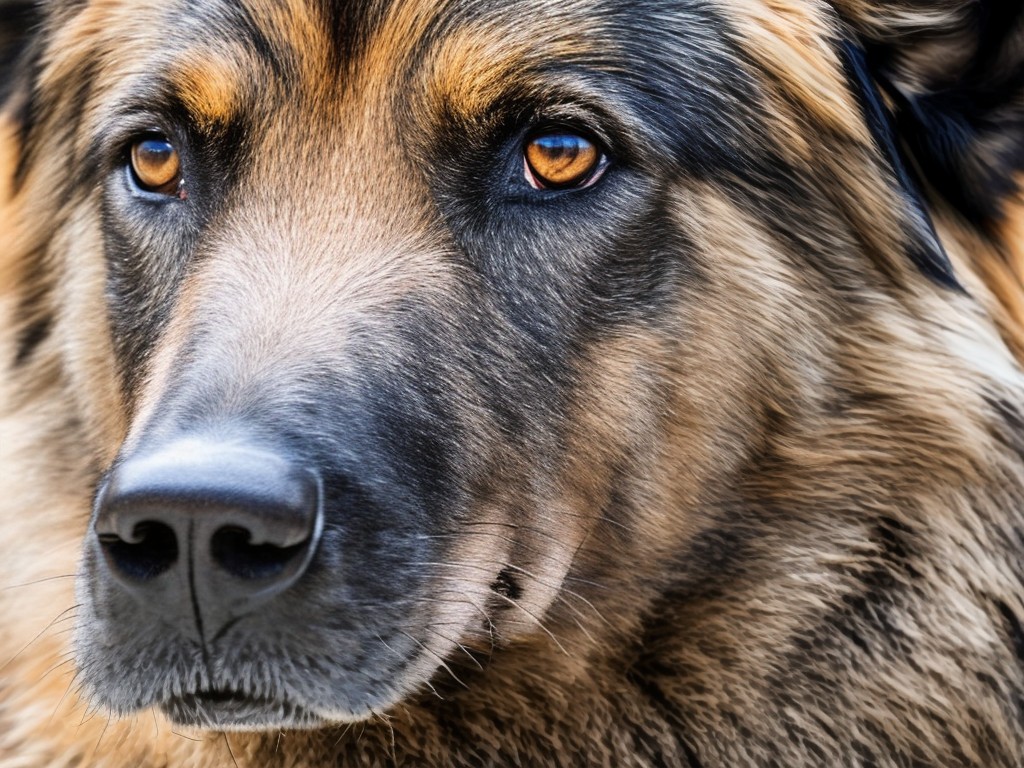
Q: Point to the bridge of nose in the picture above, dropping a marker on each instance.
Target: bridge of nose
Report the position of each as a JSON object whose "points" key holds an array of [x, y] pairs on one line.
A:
{"points": [[214, 485]]}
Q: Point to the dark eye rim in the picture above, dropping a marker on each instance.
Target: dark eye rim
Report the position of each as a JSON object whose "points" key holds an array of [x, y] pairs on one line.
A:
{"points": [[586, 181], [174, 190]]}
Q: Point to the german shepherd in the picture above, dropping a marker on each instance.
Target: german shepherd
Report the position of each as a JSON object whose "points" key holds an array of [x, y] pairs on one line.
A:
{"points": [[512, 383]]}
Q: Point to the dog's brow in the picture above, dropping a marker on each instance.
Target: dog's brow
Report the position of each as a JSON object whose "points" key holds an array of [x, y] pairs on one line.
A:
{"points": [[209, 86], [203, 89]]}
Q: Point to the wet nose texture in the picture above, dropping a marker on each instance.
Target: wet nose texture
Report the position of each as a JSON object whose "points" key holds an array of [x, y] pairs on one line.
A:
{"points": [[203, 534]]}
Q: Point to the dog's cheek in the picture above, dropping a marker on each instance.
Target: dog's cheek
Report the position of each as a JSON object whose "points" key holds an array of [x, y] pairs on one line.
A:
{"points": [[83, 325]]}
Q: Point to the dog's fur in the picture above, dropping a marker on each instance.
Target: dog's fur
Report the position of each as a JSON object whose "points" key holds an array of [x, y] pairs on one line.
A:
{"points": [[715, 463]]}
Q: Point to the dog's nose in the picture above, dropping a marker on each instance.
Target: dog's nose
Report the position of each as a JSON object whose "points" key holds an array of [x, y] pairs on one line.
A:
{"points": [[209, 529]]}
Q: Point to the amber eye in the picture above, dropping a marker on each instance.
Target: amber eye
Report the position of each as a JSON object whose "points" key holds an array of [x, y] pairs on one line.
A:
{"points": [[558, 159], [156, 165]]}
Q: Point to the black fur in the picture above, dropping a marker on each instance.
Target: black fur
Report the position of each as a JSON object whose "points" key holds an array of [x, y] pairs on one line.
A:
{"points": [[925, 250], [964, 128], [17, 18]]}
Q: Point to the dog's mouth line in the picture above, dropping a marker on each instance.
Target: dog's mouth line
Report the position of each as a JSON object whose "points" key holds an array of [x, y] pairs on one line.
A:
{"points": [[224, 696], [225, 706], [223, 699]]}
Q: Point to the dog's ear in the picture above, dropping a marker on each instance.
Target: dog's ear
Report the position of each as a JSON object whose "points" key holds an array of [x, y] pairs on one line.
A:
{"points": [[925, 247], [952, 76]]}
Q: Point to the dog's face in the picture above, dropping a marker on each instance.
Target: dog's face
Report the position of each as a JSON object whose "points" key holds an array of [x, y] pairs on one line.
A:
{"points": [[409, 322]]}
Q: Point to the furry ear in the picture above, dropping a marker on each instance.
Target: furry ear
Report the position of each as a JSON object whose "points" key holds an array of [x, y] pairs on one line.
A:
{"points": [[926, 249], [952, 73]]}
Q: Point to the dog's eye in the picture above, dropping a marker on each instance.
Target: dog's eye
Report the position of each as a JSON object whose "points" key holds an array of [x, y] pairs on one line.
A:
{"points": [[558, 158], [156, 165]]}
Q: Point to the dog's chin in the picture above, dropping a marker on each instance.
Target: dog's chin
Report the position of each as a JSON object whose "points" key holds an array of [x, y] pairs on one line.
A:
{"points": [[232, 711]]}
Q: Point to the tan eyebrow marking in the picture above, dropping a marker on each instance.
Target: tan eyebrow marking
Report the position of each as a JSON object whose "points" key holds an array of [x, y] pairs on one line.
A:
{"points": [[210, 84]]}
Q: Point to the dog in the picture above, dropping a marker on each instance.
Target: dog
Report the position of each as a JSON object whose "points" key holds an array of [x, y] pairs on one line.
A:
{"points": [[391, 382]]}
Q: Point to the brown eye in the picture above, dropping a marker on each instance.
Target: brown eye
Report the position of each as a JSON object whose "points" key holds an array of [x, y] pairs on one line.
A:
{"points": [[156, 166], [559, 158]]}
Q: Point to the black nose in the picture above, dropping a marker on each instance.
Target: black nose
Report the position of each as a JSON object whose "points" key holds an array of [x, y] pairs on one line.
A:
{"points": [[208, 531]]}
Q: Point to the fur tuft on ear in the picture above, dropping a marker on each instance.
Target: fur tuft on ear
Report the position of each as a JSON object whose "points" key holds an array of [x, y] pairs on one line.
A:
{"points": [[926, 249], [953, 74]]}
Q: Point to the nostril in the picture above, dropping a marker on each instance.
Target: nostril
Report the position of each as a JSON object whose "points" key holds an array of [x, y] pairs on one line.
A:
{"points": [[207, 529], [151, 550], [232, 549]]}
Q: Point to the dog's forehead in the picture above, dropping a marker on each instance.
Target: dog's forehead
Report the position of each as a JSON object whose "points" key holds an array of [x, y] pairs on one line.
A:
{"points": [[696, 84], [316, 41], [703, 62], [216, 53]]}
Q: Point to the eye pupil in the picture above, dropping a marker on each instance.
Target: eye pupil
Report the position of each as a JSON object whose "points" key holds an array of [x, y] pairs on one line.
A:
{"points": [[559, 159], [156, 165]]}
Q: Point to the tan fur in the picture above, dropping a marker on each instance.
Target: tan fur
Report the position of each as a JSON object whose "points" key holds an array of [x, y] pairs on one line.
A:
{"points": [[1006, 270], [212, 83], [765, 393], [789, 38]]}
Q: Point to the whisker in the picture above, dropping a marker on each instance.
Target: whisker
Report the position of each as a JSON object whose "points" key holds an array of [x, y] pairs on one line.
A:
{"points": [[347, 727], [439, 658], [543, 553], [499, 537], [63, 697], [41, 633], [230, 752], [561, 591], [387, 721], [463, 599], [89, 714], [103, 733], [540, 624], [427, 682], [38, 581], [581, 516], [458, 644], [70, 658]]}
